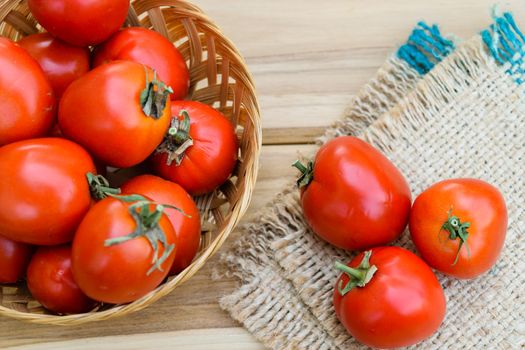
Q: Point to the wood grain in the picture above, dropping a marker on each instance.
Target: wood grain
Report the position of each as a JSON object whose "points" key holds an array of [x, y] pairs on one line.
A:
{"points": [[308, 57]]}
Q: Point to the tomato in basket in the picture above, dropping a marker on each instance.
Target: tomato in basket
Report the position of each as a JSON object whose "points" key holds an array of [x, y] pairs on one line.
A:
{"points": [[44, 193], [50, 281], [61, 62], [14, 258], [150, 48], [27, 103], [123, 249], [80, 22], [119, 112], [200, 149], [187, 226]]}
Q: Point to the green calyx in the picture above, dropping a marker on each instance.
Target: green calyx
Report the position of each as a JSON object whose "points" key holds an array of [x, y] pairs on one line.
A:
{"points": [[147, 221], [154, 96], [99, 186], [177, 140], [457, 230], [147, 225], [359, 276], [307, 173]]}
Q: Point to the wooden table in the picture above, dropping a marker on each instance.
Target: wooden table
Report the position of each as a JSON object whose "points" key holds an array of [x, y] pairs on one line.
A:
{"points": [[308, 57]]}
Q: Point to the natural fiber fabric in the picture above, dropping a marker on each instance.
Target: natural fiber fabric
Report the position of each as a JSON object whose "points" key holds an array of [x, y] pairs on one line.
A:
{"points": [[466, 118], [266, 303]]}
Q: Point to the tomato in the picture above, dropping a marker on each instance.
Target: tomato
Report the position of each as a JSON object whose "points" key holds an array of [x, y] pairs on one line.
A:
{"points": [[352, 196], [151, 49], [50, 281], [117, 111], [14, 257], [43, 190], [203, 146], [80, 22], [187, 227], [27, 104], [111, 266], [388, 298], [61, 62], [459, 226]]}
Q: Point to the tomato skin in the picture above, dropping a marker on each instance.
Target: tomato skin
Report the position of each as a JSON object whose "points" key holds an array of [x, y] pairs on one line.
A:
{"points": [[61, 62], [80, 22], [402, 304], [27, 104], [210, 161], [102, 112], [151, 49], [187, 229], [43, 190], [473, 201], [50, 281], [116, 274], [357, 199], [14, 258]]}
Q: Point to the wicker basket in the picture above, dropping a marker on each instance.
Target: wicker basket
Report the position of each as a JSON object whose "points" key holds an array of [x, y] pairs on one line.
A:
{"points": [[219, 77]]}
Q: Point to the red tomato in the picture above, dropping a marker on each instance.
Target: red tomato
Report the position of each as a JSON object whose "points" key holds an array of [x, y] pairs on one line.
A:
{"points": [[43, 190], [27, 104], [14, 257], [392, 298], [121, 272], [61, 62], [187, 227], [151, 49], [50, 281], [80, 22], [117, 111], [353, 196], [459, 226], [211, 152]]}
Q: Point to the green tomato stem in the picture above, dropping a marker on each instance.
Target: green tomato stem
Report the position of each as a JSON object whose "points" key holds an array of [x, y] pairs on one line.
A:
{"points": [[154, 97], [359, 276], [457, 230], [307, 173]]}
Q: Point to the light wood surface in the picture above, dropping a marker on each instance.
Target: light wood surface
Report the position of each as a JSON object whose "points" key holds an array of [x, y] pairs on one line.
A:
{"points": [[308, 57]]}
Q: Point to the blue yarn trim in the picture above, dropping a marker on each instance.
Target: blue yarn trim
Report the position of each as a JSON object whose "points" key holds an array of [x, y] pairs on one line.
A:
{"points": [[425, 48], [506, 44]]}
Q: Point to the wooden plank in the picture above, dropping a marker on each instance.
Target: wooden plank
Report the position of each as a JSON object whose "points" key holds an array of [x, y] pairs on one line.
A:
{"points": [[308, 57], [202, 339]]}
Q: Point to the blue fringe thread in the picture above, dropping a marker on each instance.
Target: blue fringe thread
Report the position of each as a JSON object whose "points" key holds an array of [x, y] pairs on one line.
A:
{"points": [[425, 48], [506, 44]]}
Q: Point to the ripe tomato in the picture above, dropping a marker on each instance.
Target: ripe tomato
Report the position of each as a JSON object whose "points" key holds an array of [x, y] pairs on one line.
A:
{"points": [[187, 227], [353, 196], [50, 281], [61, 62], [117, 111], [113, 259], [14, 257], [27, 104], [388, 298], [459, 226], [80, 22], [43, 190], [151, 49], [200, 150]]}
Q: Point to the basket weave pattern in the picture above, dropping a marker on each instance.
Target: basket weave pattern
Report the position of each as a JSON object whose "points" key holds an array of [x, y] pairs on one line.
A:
{"points": [[219, 78]]}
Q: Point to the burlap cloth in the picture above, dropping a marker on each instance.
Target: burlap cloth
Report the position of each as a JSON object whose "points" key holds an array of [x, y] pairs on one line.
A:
{"points": [[464, 117]]}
